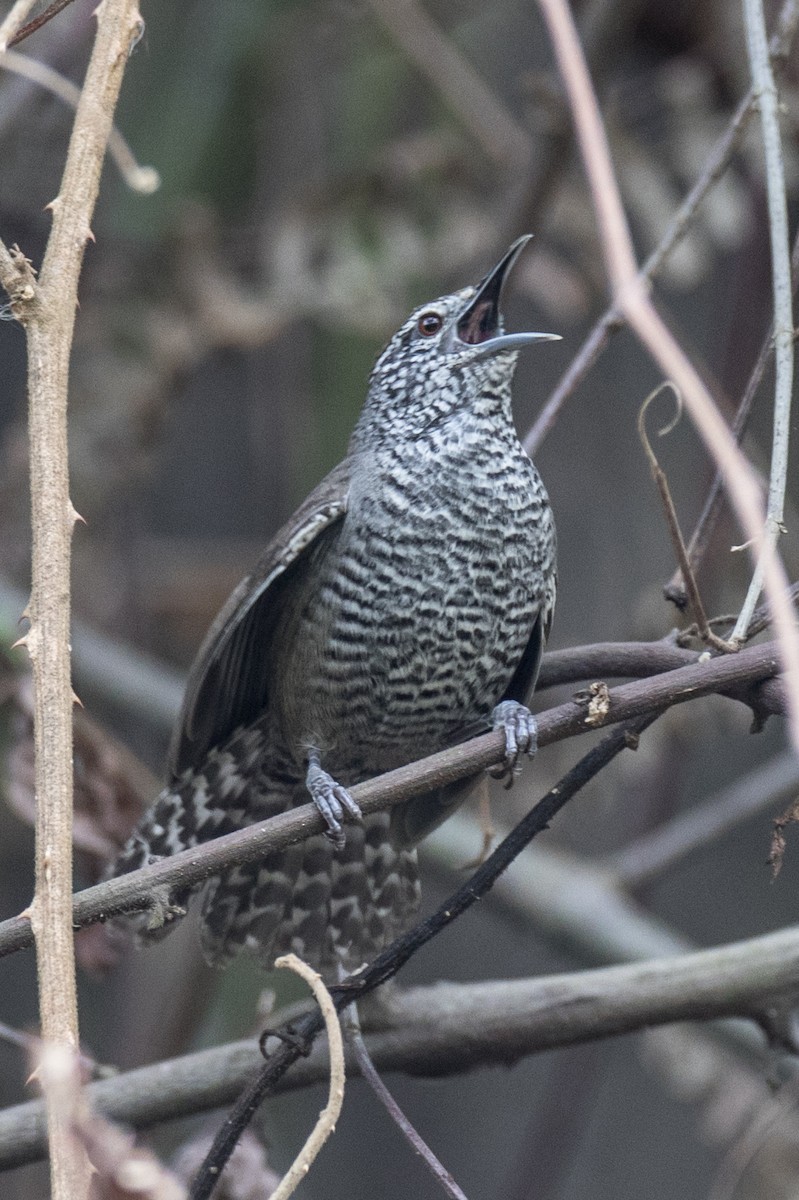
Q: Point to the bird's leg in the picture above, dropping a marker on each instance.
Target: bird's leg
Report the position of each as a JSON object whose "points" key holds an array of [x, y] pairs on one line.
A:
{"points": [[521, 736], [331, 799]]}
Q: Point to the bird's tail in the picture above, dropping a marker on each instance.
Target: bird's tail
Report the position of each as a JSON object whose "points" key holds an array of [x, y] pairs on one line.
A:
{"points": [[328, 906]]}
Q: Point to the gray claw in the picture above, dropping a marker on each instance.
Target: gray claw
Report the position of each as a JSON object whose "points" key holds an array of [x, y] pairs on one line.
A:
{"points": [[521, 733], [332, 800]]}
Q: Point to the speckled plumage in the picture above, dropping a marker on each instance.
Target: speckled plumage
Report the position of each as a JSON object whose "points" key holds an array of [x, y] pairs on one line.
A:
{"points": [[408, 596]]}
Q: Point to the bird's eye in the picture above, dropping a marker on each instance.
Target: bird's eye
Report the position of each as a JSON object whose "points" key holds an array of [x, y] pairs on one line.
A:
{"points": [[429, 323]]}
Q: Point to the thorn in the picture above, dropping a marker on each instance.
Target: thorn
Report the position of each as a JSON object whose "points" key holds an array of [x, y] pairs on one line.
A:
{"points": [[25, 615], [77, 700], [20, 642], [138, 32], [75, 516], [53, 205], [90, 237]]}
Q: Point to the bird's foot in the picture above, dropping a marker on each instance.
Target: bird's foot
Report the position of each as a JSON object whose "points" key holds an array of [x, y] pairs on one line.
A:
{"points": [[332, 800], [521, 736]]}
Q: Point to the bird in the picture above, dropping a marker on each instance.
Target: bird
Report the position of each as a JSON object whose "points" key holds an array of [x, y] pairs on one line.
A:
{"points": [[403, 607]]}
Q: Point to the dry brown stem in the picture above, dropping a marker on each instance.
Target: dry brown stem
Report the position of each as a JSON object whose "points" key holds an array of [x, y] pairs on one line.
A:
{"points": [[47, 310]]}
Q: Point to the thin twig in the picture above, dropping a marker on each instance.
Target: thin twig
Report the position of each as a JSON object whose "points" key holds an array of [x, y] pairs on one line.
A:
{"points": [[715, 165], [700, 538], [138, 178], [14, 19], [761, 617], [386, 964], [672, 520], [335, 1096], [411, 1135], [633, 300], [765, 90]]}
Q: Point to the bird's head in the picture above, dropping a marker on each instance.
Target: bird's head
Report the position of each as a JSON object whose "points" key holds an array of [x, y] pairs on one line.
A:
{"points": [[450, 355]]}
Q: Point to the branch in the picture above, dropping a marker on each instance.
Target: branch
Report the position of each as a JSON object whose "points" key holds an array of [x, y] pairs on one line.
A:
{"points": [[368, 1071], [47, 310], [765, 90], [449, 1028], [734, 675], [633, 300], [51, 11], [14, 19]]}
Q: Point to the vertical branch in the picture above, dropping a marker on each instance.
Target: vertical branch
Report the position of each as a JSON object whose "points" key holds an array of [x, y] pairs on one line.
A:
{"points": [[47, 310], [765, 90]]}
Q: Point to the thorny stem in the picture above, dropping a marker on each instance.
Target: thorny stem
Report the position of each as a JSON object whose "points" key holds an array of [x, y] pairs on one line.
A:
{"points": [[47, 310], [765, 91]]}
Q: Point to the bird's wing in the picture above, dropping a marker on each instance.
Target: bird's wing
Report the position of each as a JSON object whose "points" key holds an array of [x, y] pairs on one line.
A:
{"points": [[229, 682]]}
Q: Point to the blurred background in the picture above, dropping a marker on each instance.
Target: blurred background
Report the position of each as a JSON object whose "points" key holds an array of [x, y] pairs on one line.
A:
{"points": [[325, 166]]}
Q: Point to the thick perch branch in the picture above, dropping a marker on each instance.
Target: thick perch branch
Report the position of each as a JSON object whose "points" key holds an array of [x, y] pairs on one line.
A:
{"points": [[748, 674]]}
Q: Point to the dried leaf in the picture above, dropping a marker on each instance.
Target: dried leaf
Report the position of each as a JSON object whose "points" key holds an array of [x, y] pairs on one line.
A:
{"points": [[598, 705], [778, 841]]}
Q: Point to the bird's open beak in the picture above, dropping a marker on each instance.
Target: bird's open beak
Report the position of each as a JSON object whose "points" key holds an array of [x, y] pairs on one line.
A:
{"points": [[478, 324]]}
